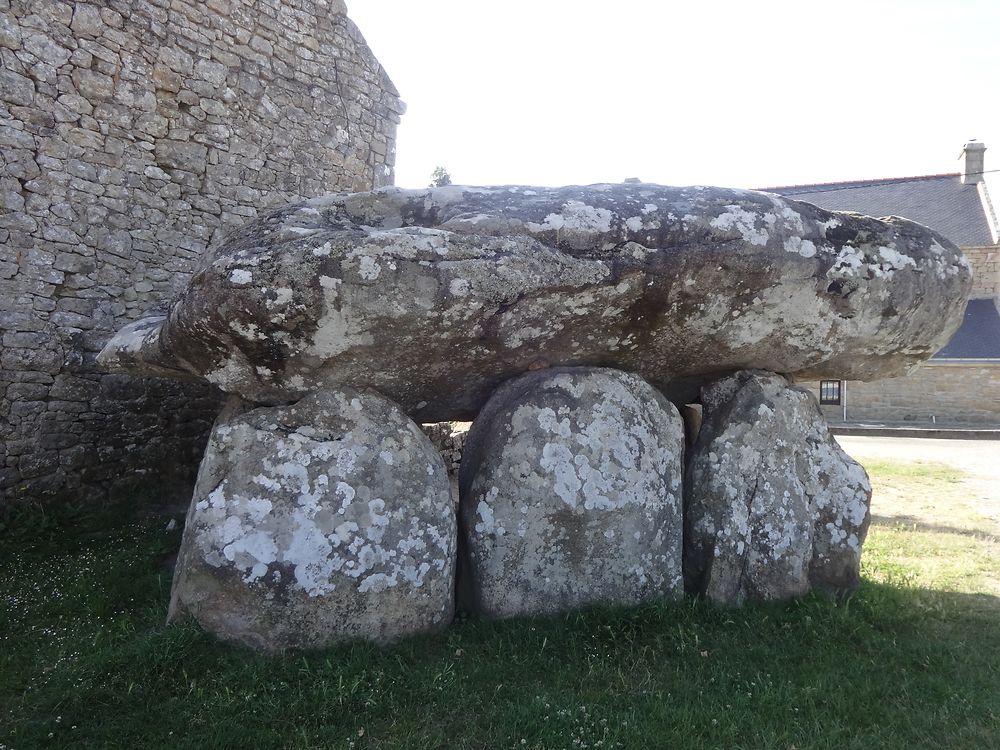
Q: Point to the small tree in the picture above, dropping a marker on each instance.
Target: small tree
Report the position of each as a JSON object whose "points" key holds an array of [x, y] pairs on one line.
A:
{"points": [[440, 177]]}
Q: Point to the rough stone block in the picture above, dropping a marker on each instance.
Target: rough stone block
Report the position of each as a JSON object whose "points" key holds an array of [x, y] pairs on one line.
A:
{"points": [[45, 49], [16, 89], [92, 85], [317, 522], [87, 20], [181, 155], [773, 506], [571, 495], [10, 32]]}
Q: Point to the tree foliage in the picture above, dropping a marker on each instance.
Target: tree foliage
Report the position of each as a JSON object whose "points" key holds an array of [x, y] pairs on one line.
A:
{"points": [[440, 177]]}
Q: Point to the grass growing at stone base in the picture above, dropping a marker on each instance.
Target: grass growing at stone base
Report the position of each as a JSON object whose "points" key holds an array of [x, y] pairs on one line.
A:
{"points": [[913, 660]]}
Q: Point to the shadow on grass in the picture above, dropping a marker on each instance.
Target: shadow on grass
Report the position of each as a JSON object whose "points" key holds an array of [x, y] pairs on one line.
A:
{"points": [[920, 524], [88, 662]]}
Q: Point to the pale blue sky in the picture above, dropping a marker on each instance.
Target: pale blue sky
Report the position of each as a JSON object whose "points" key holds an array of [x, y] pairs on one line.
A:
{"points": [[742, 94]]}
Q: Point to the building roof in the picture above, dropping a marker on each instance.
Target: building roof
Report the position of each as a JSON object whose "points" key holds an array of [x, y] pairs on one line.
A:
{"points": [[941, 202], [979, 335]]}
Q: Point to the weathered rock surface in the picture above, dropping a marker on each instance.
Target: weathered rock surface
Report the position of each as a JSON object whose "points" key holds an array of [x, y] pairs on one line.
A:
{"points": [[571, 495], [773, 505], [435, 297], [448, 439], [317, 522]]}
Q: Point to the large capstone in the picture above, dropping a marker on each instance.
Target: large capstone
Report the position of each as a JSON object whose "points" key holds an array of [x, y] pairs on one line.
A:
{"points": [[571, 495], [326, 520], [774, 508], [435, 297]]}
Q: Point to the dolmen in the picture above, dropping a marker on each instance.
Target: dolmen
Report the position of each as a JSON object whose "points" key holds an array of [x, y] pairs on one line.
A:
{"points": [[569, 324]]}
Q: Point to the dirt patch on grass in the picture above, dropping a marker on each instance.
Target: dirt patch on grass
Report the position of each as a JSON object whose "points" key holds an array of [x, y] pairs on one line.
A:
{"points": [[927, 494], [945, 482], [929, 529]]}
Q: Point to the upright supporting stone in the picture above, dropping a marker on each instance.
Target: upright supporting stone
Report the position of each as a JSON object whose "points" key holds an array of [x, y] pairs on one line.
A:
{"points": [[325, 520], [773, 506], [571, 494]]}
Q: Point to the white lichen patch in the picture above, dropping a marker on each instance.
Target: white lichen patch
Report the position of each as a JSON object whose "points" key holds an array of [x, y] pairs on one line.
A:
{"points": [[368, 267], [233, 373], [241, 276], [342, 509], [330, 283], [826, 226], [575, 215], [282, 296], [799, 246], [895, 260], [248, 331], [864, 262], [596, 446], [753, 227], [291, 232]]}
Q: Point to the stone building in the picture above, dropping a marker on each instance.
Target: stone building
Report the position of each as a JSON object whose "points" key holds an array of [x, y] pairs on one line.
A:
{"points": [[961, 383], [133, 134]]}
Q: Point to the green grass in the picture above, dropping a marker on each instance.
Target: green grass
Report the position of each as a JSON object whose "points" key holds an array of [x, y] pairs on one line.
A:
{"points": [[911, 661], [925, 472]]}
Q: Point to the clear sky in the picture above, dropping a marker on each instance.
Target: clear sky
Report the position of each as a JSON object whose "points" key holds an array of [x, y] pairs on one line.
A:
{"points": [[741, 94]]}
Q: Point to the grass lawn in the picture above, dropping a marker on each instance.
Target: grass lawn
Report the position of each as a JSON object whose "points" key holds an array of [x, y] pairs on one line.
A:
{"points": [[912, 661]]}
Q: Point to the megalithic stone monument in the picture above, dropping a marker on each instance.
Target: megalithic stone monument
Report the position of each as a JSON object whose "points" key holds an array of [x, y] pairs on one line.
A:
{"points": [[417, 305]]}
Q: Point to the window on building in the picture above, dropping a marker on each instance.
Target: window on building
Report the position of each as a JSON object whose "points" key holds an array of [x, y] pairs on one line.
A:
{"points": [[829, 391]]}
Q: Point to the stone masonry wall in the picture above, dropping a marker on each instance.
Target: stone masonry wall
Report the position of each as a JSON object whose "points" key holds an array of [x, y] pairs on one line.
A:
{"points": [[133, 134], [985, 270], [949, 393]]}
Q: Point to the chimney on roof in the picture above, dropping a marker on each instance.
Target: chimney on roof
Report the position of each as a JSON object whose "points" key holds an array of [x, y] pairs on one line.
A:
{"points": [[973, 158]]}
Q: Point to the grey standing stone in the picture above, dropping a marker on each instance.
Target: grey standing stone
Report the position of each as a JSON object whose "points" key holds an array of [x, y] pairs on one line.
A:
{"points": [[773, 506], [326, 520], [571, 494]]}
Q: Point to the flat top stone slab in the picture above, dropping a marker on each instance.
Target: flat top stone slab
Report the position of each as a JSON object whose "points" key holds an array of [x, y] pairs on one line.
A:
{"points": [[434, 297]]}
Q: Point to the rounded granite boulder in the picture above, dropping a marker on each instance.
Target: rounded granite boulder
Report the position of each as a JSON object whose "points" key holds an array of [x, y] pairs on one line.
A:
{"points": [[325, 520], [571, 495], [774, 507]]}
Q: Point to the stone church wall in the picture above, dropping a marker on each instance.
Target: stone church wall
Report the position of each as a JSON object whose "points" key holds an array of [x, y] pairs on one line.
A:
{"points": [[134, 134]]}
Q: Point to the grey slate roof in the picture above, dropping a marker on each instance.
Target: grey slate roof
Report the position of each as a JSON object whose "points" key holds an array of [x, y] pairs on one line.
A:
{"points": [[940, 202], [979, 335]]}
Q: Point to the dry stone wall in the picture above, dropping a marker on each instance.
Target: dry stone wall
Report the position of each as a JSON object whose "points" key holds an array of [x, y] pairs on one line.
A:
{"points": [[134, 134], [985, 262]]}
